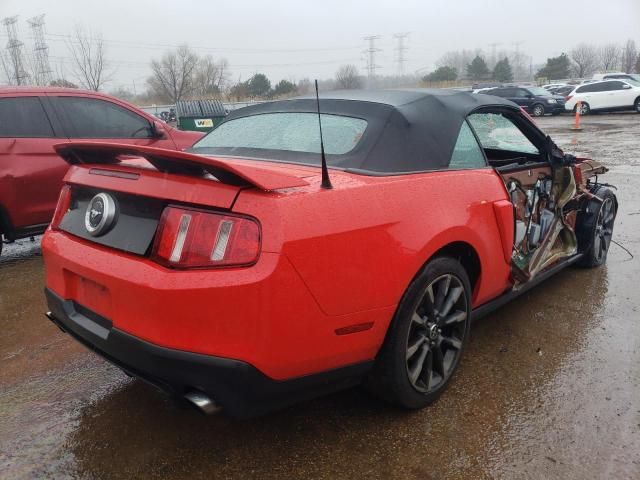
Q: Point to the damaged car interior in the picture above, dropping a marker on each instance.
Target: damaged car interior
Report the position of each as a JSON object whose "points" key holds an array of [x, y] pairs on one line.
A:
{"points": [[548, 191]]}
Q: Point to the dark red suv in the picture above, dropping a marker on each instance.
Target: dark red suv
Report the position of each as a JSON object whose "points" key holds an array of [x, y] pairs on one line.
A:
{"points": [[34, 119]]}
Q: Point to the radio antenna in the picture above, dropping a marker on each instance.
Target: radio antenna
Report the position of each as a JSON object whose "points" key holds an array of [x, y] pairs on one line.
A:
{"points": [[326, 182]]}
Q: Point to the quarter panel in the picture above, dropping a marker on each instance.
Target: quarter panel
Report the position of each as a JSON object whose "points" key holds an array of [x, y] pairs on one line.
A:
{"points": [[358, 246]]}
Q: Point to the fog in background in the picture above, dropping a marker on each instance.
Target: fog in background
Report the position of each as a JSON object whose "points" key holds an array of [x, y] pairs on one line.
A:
{"points": [[297, 39]]}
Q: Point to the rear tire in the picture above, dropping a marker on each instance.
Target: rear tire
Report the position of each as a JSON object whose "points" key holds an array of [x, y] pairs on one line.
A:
{"points": [[538, 110], [595, 228], [426, 337], [585, 109], [637, 105]]}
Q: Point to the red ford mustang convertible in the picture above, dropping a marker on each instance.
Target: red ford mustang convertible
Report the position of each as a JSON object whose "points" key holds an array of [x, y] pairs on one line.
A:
{"points": [[244, 275]]}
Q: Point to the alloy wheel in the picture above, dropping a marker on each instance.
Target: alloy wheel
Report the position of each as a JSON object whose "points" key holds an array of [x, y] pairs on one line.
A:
{"points": [[604, 229], [538, 111], [436, 332]]}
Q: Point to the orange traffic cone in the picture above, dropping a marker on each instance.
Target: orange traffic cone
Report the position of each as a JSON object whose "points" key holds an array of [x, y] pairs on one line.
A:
{"points": [[576, 125]]}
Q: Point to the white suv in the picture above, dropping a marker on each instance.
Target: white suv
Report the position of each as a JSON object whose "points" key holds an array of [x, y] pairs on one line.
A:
{"points": [[606, 95]]}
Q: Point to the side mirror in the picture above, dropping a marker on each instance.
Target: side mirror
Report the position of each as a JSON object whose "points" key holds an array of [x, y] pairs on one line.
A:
{"points": [[530, 95], [626, 86], [158, 129]]}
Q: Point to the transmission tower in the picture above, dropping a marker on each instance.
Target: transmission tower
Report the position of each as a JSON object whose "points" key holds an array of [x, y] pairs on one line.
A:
{"points": [[493, 46], [371, 55], [42, 69], [17, 74], [401, 48]]}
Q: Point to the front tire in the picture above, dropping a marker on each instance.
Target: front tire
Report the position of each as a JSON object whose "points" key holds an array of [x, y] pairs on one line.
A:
{"points": [[595, 228], [426, 338], [637, 105], [538, 110]]}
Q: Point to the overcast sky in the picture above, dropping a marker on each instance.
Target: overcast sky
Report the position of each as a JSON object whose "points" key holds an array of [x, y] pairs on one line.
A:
{"points": [[296, 39]]}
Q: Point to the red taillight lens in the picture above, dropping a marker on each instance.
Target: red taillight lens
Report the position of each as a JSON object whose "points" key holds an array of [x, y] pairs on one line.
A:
{"points": [[64, 200], [567, 98], [189, 238]]}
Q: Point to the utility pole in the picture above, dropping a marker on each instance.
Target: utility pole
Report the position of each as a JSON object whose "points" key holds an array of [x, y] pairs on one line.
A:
{"points": [[17, 74], [371, 55], [40, 51], [400, 50]]}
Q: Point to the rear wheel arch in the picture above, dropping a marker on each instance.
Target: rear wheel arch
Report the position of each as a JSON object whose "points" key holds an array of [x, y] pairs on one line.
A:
{"points": [[466, 255]]}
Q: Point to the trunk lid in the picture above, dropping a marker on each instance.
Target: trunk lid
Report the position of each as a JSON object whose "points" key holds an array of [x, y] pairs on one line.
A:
{"points": [[142, 181]]}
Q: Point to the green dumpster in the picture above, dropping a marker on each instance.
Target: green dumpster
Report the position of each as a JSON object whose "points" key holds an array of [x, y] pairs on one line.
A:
{"points": [[199, 115]]}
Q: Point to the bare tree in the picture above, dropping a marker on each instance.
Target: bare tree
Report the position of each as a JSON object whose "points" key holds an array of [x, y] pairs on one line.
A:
{"points": [[609, 57], [210, 76], [585, 58], [88, 59], [173, 74], [347, 77], [629, 56]]}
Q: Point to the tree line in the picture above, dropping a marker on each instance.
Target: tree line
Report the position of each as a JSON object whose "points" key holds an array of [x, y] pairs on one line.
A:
{"points": [[181, 73], [581, 62]]}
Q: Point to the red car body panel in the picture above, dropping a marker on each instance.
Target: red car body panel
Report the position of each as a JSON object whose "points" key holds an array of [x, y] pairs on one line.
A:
{"points": [[165, 307], [30, 170]]}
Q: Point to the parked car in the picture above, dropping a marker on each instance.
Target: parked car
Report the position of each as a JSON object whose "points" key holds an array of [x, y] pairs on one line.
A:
{"points": [[617, 76], [552, 86], [245, 275], [563, 91], [535, 100], [33, 119], [608, 95]]}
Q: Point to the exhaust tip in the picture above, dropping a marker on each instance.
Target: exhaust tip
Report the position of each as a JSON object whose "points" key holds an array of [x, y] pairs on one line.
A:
{"points": [[202, 402]]}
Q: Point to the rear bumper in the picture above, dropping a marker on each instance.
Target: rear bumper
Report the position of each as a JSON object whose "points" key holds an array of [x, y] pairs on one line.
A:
{"points": [[263, 315], [240, 388]]}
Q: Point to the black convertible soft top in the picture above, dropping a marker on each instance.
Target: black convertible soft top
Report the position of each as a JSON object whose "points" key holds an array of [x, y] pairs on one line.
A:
{"points": [[409, 130]]}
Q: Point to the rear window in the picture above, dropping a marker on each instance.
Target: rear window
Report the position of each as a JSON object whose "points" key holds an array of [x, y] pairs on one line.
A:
{"points": [[290, 131]]}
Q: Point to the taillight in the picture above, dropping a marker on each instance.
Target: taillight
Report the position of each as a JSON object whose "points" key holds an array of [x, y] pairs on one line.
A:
{"points": [[189, 238], [64, 200], [568, 97]]}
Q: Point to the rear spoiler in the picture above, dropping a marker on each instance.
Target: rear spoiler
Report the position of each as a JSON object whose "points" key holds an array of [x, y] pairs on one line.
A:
{"points": [[173, 161]]}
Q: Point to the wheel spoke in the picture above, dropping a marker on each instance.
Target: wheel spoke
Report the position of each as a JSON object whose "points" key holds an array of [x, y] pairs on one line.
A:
{"points": [[428, 301], [428, 367], [452, 298], [413, 347], [455, 317], [596, 245], [438, 361], [416, 370], [452, 341], [417, 319], [443, 289]]}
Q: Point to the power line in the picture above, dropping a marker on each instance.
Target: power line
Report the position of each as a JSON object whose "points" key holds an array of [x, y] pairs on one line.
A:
{"points": [[401, 48], [371, 55]]}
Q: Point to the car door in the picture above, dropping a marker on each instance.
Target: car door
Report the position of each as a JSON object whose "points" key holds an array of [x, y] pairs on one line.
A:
{"points": [[100, 119], [621, 94], [599, 96], [524, 98], [30, 170]]}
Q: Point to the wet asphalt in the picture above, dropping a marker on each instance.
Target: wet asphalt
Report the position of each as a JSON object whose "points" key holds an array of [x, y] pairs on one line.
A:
{"points": [[549, 387]]}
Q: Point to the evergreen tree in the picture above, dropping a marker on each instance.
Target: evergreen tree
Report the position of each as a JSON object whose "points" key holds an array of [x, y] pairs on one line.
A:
{"points": [[556, 68], [477, 69], [502, 71], [442, 74]]}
